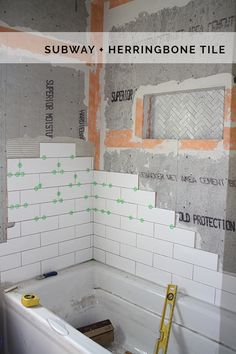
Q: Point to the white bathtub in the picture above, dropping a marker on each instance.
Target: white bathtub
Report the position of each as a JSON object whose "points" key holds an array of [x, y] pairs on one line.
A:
{"points": [[91, 292]]}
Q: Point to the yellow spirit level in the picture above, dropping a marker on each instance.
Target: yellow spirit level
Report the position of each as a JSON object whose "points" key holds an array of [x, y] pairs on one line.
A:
{"points": [[166, 320]]}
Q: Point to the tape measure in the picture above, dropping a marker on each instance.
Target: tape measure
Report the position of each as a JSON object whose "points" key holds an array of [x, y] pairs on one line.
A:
{"points": [[166, 320], [30, 300]]}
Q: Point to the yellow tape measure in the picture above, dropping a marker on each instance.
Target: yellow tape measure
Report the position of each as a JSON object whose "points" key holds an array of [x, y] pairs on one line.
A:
{"points": [[166, 319], [30, 300]]}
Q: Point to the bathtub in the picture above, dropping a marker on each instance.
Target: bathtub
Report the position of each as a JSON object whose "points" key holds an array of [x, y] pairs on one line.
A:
{"points": [[91, 292]]}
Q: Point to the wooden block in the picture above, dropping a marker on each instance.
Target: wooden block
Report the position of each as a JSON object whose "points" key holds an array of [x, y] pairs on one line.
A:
{"points": [[100, 332]]}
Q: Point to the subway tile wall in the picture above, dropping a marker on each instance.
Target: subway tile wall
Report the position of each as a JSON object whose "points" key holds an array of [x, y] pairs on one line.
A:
{"points": [[66, 213], [50, 199], [134, 236]]}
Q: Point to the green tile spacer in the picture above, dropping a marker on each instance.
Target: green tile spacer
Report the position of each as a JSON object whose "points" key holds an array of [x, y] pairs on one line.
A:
{"points": [[54, 172], [96, 196], [9, 174], [70, 185], [110, 185], [11, 206], [150, 206], [61, 200], [44, 157], [88, 169], [58, 194], [141, 220], [36, 218], [108, 212], [61, 172], [88, 209], [54, 201], [78, 184], [75, 176], [118, 200], [17, 206], [26, 205], [40, 185], [130, 217], [94, 183], [17, 174], [104, 184], [86, 197], [19, 165], [135, 189], [58, 164], [22, 174], [171, 226], [72, 157], [71, 212], [44, 217], [102, 211], [95, 209]]}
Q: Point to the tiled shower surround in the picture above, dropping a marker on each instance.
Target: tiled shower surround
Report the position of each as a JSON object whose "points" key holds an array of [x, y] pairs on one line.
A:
{"points": [[66, 213]]}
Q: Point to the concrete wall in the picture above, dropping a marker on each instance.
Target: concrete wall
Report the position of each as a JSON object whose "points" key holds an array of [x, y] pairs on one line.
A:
{"points": [[190, 177]]}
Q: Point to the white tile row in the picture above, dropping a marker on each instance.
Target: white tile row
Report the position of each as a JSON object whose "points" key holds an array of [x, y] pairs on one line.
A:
{"points": [[39, 165]]}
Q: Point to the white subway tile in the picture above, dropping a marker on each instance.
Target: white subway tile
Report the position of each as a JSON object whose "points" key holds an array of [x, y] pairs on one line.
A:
{"points": [[74, 245], [99, 203], [21, 273], [100, 177], [84, 230], [218, 280], [138, 197], [59, 235], [56, 180], [154, 245], [99, 229], [195, 256], [110, 220], [157, 215], [77, 218], [122, 179], [225, 300], [175, 235], [38, 254], [99, 255], [10, 261], [194, 289], [19, 244], [83, 255], [76, 164], [122, 236], [50, 209], [57, 263], [57, 149], [76, 191], [39, 195], [136, 254], [106, 244], [84, 176], [152, 274], [208, 277], [106, 192], [119, 262], [134, 225], [14, 231], [125, 209], [22, 182], [13, 165], [24, 212], [41, 225], [83, 204], [13, 198], [38, 165], [173, 266]]}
